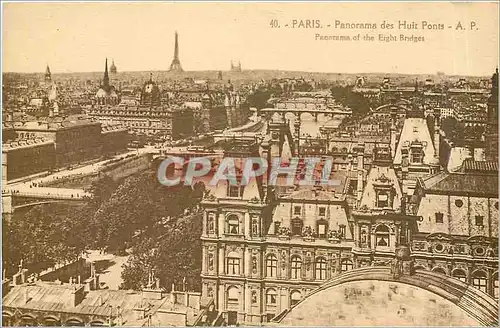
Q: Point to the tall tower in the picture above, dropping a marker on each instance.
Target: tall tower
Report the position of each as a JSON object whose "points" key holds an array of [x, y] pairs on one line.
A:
{"points": [[48, 75], [105, 81], [175, 66], [491, 135], [112, 68]]}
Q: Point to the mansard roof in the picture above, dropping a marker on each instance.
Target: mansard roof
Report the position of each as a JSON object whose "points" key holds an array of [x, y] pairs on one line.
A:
{"points": [[457, 183]]}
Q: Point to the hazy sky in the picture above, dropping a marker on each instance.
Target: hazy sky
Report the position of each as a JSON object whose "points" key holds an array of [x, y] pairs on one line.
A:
{"points": [[76, 37]]}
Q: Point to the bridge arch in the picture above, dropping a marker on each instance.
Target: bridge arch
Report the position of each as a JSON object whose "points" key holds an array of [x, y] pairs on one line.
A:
{"points": [[359, 296]]}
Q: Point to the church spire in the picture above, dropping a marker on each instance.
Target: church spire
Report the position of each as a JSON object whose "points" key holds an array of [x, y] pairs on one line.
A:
{"points": [[105, 81], [48, 75]]}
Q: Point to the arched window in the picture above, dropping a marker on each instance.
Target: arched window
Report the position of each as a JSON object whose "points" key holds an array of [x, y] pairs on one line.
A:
{"points": [[6, 320], [320, 268], [271, 265], [345, 265], [28, 320], [232, 295], [459, 274], [51, 322], [74, 323], [382, 235], [479, 280], [439, 270], [295, 297], [233, 263], [271, 296], [233, 224], [296, 267]]}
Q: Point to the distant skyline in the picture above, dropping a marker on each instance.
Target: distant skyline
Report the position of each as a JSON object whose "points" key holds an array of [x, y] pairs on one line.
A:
{"points": [[77, 37]]}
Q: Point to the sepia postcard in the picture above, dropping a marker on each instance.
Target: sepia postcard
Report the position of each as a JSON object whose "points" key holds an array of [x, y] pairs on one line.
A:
{"points": [[250, 163]]}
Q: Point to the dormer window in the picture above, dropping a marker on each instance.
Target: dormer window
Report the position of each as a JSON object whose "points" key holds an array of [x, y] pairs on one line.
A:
{"points": [[297, 210], [416, 155], [382, 199], [322, 228], [235, 191], [322, 211]]}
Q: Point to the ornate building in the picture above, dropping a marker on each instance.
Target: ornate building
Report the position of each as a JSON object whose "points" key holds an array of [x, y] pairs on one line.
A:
{"points": [[106, 95], [265, 249]]}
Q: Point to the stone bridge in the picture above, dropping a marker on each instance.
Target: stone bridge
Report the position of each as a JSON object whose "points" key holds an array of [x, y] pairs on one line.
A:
{"points": [[298, 112], [374, 296]]}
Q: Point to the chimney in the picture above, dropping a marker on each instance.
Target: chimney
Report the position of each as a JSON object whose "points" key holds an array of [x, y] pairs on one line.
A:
{"points": [[361, 153], [78, 294], [393, 132], [437, 136], [404, 164]]}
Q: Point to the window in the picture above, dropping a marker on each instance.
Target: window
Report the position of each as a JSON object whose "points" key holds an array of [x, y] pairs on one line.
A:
{"points": [[439, 217], [233, 265], [382, 199], [479, 220], [479, 280], [459, 274], [296, 267], [342, 231], [382, 236], [271, 265], [271, 296], [459, 203], [322, 228], [235, 191], [233, 224], [417, 156], [320, 268], [495, 285], [322, 211], [297, 210], [296, 227], [345, 265], [232, 295], [295, 297]]}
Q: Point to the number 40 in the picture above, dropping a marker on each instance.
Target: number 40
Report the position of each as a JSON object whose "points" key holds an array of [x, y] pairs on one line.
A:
{"points": [[274, 23]]}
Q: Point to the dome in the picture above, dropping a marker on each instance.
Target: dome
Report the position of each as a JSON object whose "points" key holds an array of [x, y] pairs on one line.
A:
{"points": [[101, 93]]}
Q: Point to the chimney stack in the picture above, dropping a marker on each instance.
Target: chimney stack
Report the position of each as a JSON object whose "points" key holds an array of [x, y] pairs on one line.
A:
{"points": [[361, 153]]}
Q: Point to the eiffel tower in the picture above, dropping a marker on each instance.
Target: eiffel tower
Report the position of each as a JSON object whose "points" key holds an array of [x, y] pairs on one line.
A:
{"points": [[176, 63]]}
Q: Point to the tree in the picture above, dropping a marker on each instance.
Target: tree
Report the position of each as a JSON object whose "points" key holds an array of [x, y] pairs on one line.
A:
{"points": [[173, 256], [138, 204], [48, 234]]}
